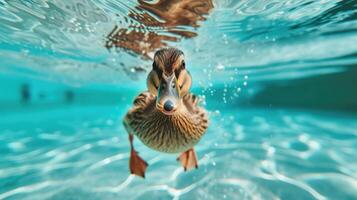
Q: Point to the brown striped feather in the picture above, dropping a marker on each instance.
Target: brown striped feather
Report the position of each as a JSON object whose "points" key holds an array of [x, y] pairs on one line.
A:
{"points": [[171, 134]]}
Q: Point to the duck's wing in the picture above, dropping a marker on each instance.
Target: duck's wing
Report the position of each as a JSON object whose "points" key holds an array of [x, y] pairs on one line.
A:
{"points": [[144, 99], [197, 113], [142, 104], [190, 100]]}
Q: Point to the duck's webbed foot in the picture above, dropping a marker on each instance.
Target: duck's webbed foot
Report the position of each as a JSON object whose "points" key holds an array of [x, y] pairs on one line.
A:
{"points": [[188, 159], [137, 165]]}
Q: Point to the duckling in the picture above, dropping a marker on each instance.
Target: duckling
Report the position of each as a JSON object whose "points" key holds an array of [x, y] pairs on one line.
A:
{"points": [[167, 117]]}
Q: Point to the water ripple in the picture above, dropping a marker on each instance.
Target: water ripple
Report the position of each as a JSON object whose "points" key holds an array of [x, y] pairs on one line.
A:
{"points": [[251, 33], [26, 189], [279, 163]]}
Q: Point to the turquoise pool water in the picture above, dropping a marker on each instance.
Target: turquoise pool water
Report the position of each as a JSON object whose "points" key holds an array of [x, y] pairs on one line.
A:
{"points": [[277, 77]]}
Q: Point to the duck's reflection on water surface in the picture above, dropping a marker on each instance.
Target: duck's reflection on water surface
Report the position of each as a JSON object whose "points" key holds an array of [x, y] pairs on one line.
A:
{"points": [[158, 23]]}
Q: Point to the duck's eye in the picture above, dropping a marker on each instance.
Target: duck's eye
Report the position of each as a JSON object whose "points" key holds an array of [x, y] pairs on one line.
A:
{"points": [[183, 83], [153, 83], [177, 73], [173, 86]]}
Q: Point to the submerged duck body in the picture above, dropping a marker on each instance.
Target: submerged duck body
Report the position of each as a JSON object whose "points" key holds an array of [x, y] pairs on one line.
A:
{"points": [[167, 117], [167, 133]]}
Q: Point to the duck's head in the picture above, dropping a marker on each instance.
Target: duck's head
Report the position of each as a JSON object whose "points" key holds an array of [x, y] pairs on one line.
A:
{"points": [[169, 80]]}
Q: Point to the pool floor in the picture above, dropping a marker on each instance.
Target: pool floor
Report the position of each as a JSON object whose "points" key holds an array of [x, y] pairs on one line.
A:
{"points": [[82, 153]]}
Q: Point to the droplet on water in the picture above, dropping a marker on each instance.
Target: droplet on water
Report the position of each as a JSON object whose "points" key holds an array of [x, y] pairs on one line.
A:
{"points": [[220, 67]]}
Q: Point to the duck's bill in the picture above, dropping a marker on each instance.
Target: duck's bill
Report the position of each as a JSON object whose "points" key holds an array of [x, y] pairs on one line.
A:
{"points": [[168, 98]]}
